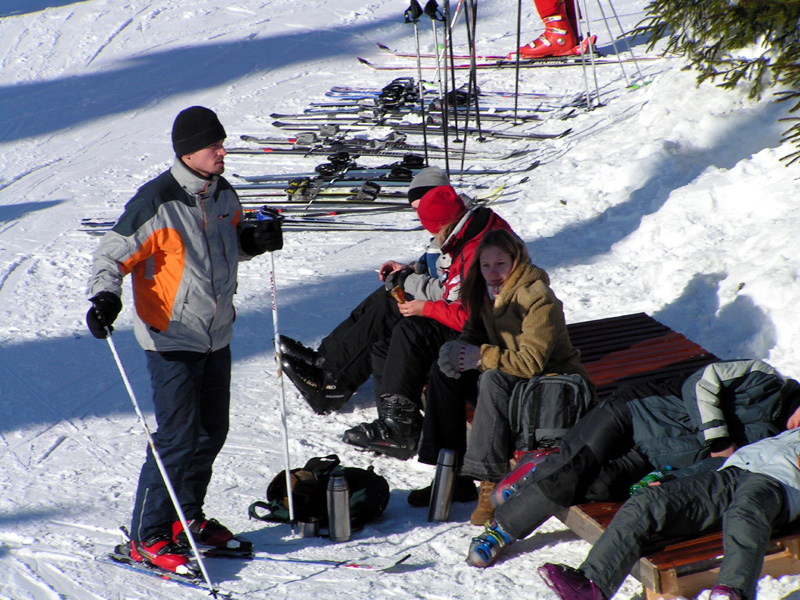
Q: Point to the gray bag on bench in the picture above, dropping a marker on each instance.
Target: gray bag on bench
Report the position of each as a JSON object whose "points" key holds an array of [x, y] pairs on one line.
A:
{"points": [[543, 408]]}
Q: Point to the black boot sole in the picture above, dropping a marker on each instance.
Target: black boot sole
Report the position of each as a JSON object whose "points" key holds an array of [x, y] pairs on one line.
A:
{"points": [[403, 453]]}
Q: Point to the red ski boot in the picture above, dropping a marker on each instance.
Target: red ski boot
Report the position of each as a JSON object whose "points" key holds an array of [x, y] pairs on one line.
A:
{"points": [[162, 552], [558, 39]]}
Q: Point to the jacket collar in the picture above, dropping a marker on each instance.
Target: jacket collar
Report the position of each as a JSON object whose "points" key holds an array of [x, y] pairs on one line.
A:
{"points": [[523, 275], [191, 181], [471, 224]]}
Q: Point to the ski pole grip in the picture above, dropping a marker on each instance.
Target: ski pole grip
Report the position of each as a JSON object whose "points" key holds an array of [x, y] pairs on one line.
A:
{"points": [[413, 12]]}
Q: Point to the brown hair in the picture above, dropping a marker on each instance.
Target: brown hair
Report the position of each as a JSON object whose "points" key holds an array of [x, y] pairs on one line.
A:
{"points": [[473, 290]]}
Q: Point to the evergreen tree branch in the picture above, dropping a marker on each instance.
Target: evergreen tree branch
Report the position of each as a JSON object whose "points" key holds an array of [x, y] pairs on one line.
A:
{"points": [[735, 42]]}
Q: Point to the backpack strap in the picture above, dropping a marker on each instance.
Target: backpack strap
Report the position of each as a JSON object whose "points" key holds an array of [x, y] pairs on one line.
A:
{"points": [[275, 509], [322, 465]]}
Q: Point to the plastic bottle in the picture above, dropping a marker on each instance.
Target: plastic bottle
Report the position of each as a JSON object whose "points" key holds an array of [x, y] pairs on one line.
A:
{"points": [[338, 506], [443, 485], [652, 476]]}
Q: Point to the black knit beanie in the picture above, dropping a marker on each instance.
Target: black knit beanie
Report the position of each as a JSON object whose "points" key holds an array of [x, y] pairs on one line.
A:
{"points": [[194, 129]]}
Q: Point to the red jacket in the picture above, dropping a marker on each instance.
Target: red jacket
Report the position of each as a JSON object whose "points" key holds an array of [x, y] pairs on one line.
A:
{"points": [[461, 246]]}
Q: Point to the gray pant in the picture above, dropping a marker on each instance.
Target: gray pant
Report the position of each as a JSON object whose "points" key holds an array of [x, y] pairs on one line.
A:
{"points": [[748, 507], [491, 444]]}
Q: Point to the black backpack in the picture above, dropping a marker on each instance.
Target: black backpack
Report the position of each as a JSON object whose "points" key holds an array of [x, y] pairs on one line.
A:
{"points": [[369, 494], [543, 408]]}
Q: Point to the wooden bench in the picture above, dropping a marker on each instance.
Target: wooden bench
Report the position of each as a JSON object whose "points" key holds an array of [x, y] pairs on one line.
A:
{"points": [[635, 348]]}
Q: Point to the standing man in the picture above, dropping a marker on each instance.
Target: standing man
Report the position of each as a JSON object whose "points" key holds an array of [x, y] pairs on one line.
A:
{"points": [[181, 237]]}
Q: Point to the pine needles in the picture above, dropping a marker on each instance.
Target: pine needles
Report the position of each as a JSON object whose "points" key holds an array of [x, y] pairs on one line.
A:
{"points": [[733, 42]]}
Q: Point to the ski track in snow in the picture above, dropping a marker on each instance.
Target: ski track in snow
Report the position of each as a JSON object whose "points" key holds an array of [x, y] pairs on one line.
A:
{"points": [[669, 199]]}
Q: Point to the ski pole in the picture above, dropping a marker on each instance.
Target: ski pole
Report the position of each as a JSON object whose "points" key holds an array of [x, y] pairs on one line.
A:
{"points": [[624, 37], [516, 60], [279, 357], [432, 10], [412, 15], [162, 469], [591, 51]]}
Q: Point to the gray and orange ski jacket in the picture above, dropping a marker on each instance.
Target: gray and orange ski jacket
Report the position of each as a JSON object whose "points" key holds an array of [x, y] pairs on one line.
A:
{"points": [[179, 239]]}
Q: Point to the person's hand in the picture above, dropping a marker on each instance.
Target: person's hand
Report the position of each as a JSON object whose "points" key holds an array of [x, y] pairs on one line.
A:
{"points": [[396, 278], [389, 267], [412, 308], [268, 235], [105, 308], [448, 359], [457, 356], [794, 420], [726, 452]]}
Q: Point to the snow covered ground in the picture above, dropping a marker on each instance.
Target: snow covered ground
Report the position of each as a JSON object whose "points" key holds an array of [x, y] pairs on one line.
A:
{"points": [[669, 199]]}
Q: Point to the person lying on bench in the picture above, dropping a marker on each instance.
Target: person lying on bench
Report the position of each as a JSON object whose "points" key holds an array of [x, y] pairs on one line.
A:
{"points": [[695, 421], [755, 492]]}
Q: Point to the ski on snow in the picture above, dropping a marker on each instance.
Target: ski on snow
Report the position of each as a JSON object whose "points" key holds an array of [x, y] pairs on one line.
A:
{"points": [[505, 63], [334, 141], [273, 150], [123, 560], [374, 563], [311, 223], [381, 116], [414, 128], [339, 91], [372, 174], [120, 557]]}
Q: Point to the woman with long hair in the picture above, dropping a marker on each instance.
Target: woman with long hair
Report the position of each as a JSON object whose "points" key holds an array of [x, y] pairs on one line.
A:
{"points": [[515, 330]]}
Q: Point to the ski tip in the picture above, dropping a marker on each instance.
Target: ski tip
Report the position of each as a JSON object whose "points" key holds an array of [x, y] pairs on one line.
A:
{"points": [[364, 61], [383, 46]]}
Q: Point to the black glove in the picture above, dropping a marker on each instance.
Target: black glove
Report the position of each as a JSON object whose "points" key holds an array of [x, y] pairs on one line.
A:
{"points": [[105, 308], [397, 278], [266, 236]]}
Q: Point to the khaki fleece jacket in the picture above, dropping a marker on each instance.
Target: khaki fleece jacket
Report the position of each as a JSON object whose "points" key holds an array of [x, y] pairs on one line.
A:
{"points": [[524, 332]]}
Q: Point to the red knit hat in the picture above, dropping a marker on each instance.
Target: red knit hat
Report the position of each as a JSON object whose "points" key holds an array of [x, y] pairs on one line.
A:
{"points": [[438, 207]]}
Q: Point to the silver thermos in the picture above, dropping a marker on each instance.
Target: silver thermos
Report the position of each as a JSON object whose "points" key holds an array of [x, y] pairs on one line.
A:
{"points": [[338, 507], [443, 485]]}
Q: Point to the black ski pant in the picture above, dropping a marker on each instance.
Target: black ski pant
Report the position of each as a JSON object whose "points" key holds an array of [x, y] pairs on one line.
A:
{"points": [[748, 506], [596, 460], [401, 363], [191, 397], [345, 352], [445, 423], [377, 340]]}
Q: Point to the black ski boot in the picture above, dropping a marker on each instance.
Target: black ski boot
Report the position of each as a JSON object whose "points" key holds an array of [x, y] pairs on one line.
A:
{"points": [[395, 432], [322, 392], [295, 349]]}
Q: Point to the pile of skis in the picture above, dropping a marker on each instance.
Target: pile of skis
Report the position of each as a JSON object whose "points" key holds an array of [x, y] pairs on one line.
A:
{"points": [[325, 212], [399, 103], [336, 129]]}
